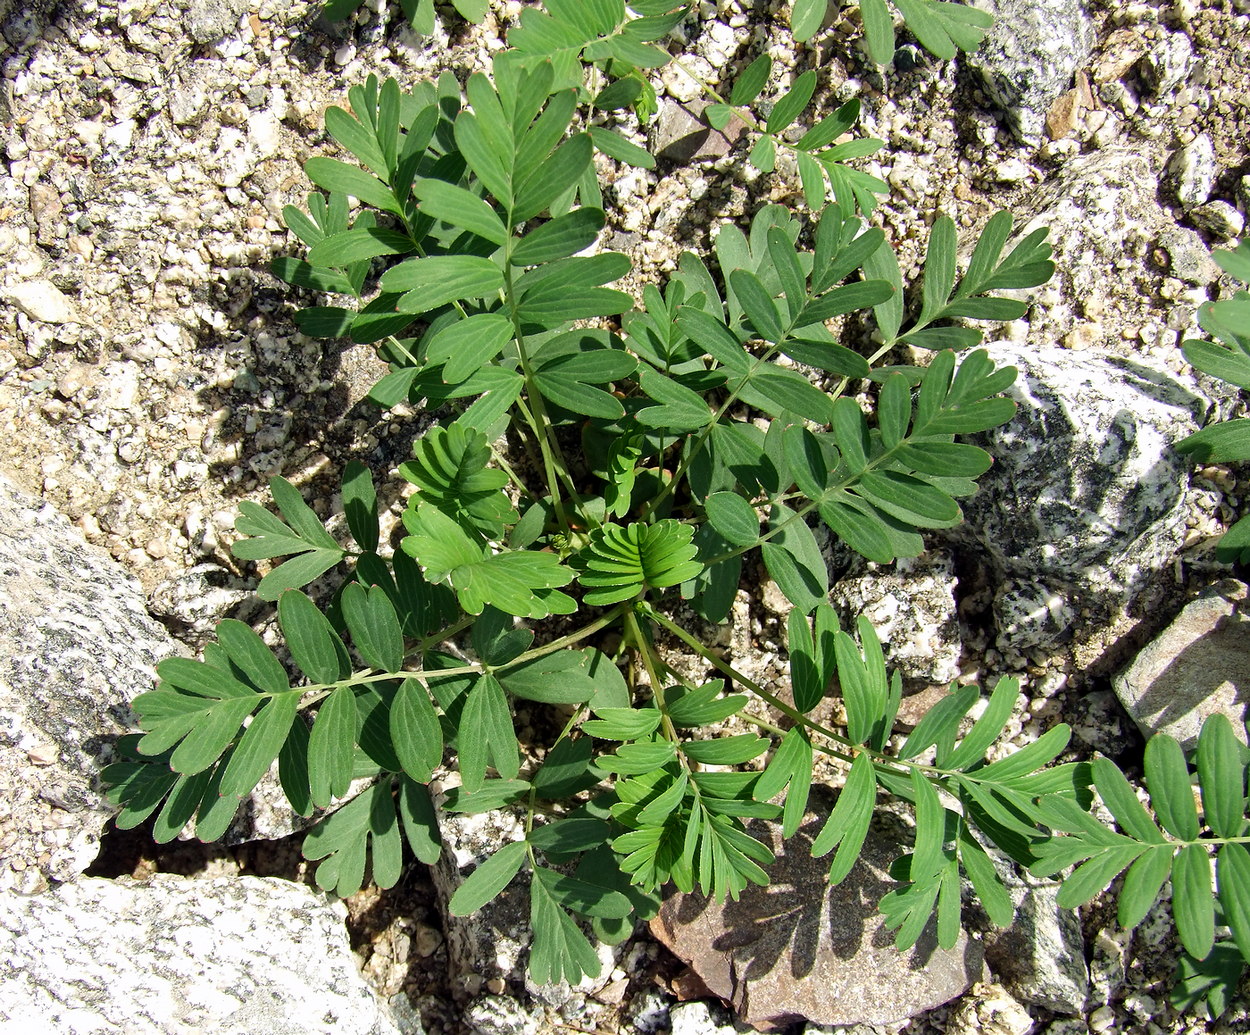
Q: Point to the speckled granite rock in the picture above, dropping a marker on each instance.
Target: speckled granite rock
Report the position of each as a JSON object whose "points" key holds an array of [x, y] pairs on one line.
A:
{"points": [[1029, 56], [76, 646], [1086, 492], [912, 607], [1199, 665], [800, 949], [1110, 239], [234, 956], [1040, 958]]}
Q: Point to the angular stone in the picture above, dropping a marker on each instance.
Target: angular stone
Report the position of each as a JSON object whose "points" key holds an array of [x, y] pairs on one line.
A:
{"points": [[1040, 958], [682, 135], [1219, 219], [209, 20], [799, 949], [1087, 488], [912, 607], [76, 647], [41, 300], [1168, 63], [1106, 226], [1199, 665], [1028, 59], [1192, 170], [234, 956]]}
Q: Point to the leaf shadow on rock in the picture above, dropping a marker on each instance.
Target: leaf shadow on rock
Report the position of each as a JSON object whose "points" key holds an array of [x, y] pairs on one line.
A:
{"points": [[1198, 672], [802, 949]]}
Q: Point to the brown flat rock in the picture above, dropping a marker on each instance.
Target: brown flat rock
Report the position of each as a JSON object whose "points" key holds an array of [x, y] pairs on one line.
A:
{"points": [[681, 133], [801, 950], [1199, 665]]}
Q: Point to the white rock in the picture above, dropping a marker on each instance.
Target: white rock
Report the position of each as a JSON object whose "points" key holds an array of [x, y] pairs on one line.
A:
{"points": [[41, 300], [232, 955]]}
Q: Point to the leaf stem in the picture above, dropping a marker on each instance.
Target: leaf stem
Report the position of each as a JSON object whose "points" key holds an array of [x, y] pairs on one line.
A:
{"points": [[316, 691]]}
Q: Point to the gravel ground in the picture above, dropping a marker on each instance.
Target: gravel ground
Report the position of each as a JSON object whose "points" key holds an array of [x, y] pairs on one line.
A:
{"points": [[151, 376]]}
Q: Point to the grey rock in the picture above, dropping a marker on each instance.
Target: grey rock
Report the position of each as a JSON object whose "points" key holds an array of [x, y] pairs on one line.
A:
{"points": [[1029, 57], [406, 1016], [1189, 259], [912, 606], [680, 133], [649, 1012], [1105, 225], [1040, 958], [1168, 63], [501, 1015], [1029, 614], [76, 647], [209, 20], [1219, 219], [490, 943], [1199, 665], [237, 956], [699, 1018], [197, 599], [800, 949], [1087, 490], [1191, 172]]}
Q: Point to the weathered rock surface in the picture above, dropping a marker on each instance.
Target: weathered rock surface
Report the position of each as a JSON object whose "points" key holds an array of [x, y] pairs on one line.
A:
{"points": [[912, 607], [490, 944], [1040, 958], [800, 949], [40, 300], [245, 956], [1029, 56], [1087, 489], [1199, 665], [76, 647], [1108, 229]]}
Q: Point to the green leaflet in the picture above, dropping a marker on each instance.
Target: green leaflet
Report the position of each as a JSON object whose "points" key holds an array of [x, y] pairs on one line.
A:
{"points": [[619, 563], [367, 826], [512, 581], [794, 560], [560, 952], [302, 534], [331, 745], [486, 735], [415, 731], [488, 880], [374, 626]]}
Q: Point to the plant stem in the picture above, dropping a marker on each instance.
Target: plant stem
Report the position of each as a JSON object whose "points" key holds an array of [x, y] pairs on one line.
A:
{"points": [[322, 690], [652, 664], [746, 681]]}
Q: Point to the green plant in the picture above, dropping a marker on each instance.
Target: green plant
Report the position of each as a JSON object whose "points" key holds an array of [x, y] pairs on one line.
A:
{"points": [[941, 27], [1210, 972], [1228, 359], [590, 473]]}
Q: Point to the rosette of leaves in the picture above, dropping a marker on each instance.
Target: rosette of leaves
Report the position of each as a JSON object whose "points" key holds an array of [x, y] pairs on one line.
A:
{"points": [[645, 469]]}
